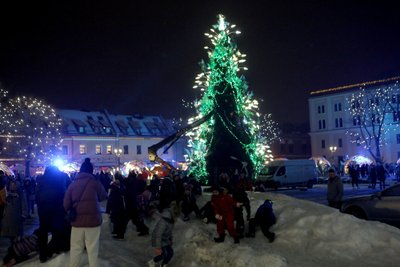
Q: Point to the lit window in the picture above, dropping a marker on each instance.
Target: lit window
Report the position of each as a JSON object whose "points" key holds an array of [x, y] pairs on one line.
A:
{"points": [[82, 149], [64, 150], [109, 149], [98, 149]]}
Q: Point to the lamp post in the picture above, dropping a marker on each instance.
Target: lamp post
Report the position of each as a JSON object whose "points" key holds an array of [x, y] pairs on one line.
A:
{"points": [[333, 150], [118, 153]]}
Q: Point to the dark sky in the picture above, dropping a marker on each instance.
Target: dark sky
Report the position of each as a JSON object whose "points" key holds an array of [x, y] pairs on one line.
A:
{"points": [[142, 56]]}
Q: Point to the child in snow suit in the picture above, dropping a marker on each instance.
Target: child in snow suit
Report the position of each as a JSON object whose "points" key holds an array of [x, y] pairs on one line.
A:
{"points": [[240, 196], [265, 218], [224, 208], [189, 203], [161, 239], [21, 248]]}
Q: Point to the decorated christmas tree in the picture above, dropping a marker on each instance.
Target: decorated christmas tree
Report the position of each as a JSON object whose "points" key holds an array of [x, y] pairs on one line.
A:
{"points": [[232, 138]]}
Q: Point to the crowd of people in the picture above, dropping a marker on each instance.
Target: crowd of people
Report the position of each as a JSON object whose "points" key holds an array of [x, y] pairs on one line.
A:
{"points": [[70, 212]]}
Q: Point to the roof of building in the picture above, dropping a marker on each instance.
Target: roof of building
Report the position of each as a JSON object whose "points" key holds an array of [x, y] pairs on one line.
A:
{"points": [[85, 122], [354, 86]]}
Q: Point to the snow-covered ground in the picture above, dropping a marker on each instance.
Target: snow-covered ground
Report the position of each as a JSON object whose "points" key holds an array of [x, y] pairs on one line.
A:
{"points": [[308, 234]]}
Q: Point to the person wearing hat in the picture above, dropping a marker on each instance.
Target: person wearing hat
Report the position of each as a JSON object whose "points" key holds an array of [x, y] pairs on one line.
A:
{"points": [[335, 190], [84, 194]]}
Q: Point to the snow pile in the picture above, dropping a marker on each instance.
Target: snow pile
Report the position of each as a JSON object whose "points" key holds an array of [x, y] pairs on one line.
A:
{"points": [[308, 234]]}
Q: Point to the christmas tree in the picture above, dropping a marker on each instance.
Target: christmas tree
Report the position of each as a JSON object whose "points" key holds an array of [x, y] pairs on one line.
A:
{"points": [[232, 139]]}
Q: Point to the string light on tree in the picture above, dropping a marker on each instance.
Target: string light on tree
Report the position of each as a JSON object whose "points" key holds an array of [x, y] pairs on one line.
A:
{"points": [[234, 129], [30, 128], [376, 113]]}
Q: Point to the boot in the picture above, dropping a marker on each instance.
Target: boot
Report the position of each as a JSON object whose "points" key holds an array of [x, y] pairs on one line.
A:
{"points": [[220, 239]]}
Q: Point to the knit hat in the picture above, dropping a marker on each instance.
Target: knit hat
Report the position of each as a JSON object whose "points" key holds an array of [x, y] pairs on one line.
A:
{"points": [[87, 166]]}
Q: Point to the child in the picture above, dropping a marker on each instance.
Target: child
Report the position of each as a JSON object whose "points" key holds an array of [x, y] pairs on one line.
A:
{"points": [[265, 218], [161, 239], [21, 248], [224, 208]]}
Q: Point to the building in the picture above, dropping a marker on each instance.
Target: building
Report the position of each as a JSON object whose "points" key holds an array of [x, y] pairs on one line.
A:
{"points": [[331, 121], [110, 140], [293, 143]]}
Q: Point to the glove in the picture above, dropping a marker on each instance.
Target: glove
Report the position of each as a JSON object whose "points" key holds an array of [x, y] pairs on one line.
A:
{"points": [[239, 204], [218, 217]]}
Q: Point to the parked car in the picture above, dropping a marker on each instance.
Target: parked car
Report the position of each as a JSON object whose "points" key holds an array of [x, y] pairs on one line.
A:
{"points": [[383, 206]]}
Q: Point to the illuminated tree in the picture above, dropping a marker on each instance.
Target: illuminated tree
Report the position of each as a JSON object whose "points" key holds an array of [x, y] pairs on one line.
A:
{"points": [[232, 137], [30, 129], [375, 113]]}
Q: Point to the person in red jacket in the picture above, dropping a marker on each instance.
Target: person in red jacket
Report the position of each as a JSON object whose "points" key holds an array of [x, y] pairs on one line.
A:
{"points": [[224, 207]]}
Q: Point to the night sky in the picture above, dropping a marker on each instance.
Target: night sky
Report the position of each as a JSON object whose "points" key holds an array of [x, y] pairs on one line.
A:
{"points": [[142, 56]]}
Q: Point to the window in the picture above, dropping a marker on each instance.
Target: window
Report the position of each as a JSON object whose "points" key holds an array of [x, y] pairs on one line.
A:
{"points": [[321, 109], [322, 143], [356, 120], [109, 149], [138, 149], [126, 150], [337, 107], [81, 129], [398, 139], [340, 142], [321, 124], [107, 130], [82, 149], [64, 150], [340, 122], [281, 171], [98, 149], [336, 123]]}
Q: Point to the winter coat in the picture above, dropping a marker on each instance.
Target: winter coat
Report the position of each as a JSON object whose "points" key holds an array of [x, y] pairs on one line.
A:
{"points": [[50, 191], [142, 202], [116, 204], [265, 215], [224, 205], [12, 220], [241, 196], [335, 189], [25, 245], [85, 193], [162, 234]]}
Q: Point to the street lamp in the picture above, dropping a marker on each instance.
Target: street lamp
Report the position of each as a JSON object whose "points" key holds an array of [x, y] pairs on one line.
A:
{"points": [[118, 153], [333, 150]]}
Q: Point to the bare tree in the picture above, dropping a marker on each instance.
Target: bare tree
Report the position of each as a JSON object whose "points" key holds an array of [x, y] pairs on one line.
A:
{"points": [[375, 112]]}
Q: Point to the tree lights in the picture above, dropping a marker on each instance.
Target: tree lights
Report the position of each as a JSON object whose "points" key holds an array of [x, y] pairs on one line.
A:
{"points": [[371, 109], [234, 131], [29, 128]]}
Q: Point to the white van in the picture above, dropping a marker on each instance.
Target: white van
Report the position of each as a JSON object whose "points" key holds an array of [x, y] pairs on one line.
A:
{"points": [[289, 173]]}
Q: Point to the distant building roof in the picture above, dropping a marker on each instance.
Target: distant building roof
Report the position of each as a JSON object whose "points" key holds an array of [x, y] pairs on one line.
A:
{"points": [[84, 122], [353, 86]]}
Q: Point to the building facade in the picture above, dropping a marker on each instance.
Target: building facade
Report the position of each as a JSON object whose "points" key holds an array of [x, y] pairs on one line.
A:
{"points": [[331, 122], [110, 140]]}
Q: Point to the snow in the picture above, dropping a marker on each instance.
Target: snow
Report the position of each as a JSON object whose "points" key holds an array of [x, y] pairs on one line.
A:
{"points": [[307, 234]]}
